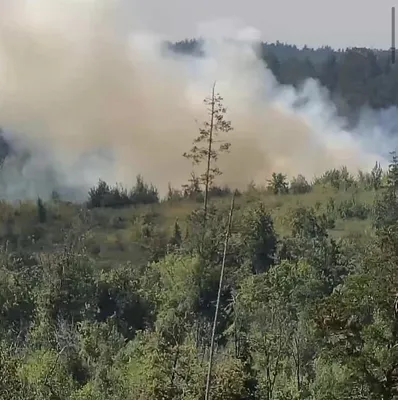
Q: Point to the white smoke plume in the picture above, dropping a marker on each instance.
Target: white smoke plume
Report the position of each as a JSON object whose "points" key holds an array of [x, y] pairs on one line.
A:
{"points": [[88, 97]]}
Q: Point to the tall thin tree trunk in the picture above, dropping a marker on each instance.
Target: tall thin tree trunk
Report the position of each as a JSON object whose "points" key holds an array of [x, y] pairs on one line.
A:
{"points": [[207, 182], [228, 232]]}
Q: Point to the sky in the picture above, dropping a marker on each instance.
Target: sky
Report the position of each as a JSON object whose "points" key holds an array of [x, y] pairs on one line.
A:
{"points": [[338, 23]]}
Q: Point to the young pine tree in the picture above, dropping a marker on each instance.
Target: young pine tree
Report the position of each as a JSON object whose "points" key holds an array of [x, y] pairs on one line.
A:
{"points": [[207, 147], [176, 239]]}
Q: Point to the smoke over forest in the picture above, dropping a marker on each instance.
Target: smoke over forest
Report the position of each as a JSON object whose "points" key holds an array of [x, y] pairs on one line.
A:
{"points": [[85, 96]]}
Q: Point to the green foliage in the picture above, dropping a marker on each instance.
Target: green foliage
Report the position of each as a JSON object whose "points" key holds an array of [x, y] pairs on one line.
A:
{"points": [[16, 285], [208, 137], [332, 381], [299, 185], [142, 193], [278, 184], [105, 196], [209, 149], [339, 179], [114, 299], [385, 214], [99, 195], [306, 223], [206, 239], [67, 285], [353, 209], [307, 309], [45, 375], [258, 239], [229, 380], [177, 294], [192, 190], [372, 180], [11, 387], [176, 238]]}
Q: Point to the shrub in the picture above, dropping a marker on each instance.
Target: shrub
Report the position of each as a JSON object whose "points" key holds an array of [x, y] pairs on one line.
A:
{"points": [[353, 209], [299, 185], [117, 197], [337, 179]]}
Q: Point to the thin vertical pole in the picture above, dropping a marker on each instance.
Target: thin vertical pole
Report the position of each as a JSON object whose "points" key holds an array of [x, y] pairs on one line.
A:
{"points": [[213, 334], [393, 35]]}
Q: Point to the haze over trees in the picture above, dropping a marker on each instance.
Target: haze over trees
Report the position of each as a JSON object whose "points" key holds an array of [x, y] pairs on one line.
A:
{"points": [[115, 298], [355, 77]]}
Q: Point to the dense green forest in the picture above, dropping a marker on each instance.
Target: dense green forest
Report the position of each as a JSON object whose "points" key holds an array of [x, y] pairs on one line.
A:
{"points": [[355, 77], [116, 298]]}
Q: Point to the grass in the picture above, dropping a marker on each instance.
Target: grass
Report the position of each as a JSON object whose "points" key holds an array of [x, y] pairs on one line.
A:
{"points": [[121, 235]]}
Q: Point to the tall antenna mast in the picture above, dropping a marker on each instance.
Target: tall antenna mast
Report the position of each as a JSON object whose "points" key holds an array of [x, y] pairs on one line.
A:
{"points": [[393, 35]]}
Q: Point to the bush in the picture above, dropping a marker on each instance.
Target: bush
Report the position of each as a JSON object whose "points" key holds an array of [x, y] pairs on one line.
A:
{"points": [[372, 180], [278, 184], [337, 179], [299, 185], [218, 191], [142, 193], [117, 197], [353, 209]]}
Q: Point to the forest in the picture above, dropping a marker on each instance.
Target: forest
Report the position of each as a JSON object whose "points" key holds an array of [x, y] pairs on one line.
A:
{"points": [[285, 290], [355, 77]]}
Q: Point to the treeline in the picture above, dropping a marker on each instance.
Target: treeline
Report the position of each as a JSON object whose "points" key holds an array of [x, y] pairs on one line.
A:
{"points": [[355, 77], [107, 196]]}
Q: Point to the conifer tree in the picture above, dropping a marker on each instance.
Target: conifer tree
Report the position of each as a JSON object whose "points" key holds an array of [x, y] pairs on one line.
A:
{"points": [[207, 146]]}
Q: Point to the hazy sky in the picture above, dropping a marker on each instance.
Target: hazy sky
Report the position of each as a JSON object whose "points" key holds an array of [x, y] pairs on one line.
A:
{"points": [[338, 23]]}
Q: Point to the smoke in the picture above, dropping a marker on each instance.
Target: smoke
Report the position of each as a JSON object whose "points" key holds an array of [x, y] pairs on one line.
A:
{"points": [[83, 96]]}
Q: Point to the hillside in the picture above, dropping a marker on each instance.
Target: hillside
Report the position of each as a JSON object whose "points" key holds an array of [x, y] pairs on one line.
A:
{"points": [[113, 231], [115, 298], [354, 77], [284, 290]]}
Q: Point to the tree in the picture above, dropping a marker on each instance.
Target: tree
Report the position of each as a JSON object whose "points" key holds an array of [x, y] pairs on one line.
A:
{"points": [[204, 150], [41, 211], [143, 193], [191, 190], [176, 239], [278, 184], [329, 72], [299, 185], [258, 239], [99, 194], [385, 212], [359, 329], [272, 61], [377, 176]]}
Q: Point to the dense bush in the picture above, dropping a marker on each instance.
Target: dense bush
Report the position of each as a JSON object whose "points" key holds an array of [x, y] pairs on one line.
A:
{"points": [[105, 196], [299, 185]]}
